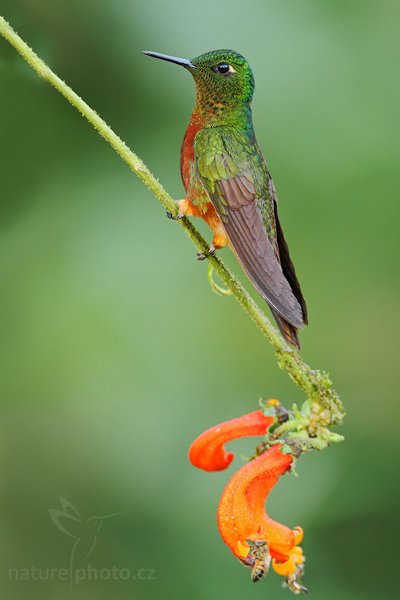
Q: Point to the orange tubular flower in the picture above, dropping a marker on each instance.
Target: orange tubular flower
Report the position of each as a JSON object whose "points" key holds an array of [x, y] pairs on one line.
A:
{"points": [[250, 533], [241, 511], [208, 451]]}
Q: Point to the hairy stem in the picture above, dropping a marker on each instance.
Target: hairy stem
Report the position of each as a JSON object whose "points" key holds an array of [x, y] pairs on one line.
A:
{"points": [[326, 406]]}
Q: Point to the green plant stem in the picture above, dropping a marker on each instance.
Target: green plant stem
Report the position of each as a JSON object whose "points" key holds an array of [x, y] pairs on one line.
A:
{"points": [[325, 402]]}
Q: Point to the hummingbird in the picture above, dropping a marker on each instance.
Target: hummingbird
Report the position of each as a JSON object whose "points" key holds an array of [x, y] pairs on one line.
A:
{"points": [[228, 184], [83, 531]]}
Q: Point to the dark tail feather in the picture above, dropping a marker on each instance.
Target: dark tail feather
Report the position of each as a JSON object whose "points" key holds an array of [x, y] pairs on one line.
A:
{"points": [[287, 330], [288, 268]]}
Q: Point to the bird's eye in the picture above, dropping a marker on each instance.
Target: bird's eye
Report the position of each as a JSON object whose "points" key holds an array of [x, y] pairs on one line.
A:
{"points": [[223, 68]]}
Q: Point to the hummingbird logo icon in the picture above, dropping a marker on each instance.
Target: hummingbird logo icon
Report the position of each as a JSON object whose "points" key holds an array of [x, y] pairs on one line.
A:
{"points": [[83, 532]]}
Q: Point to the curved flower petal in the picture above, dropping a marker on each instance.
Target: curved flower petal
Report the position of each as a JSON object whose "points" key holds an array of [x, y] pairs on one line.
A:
{"points": [[296, 558], [208, 451], [241, 511]]}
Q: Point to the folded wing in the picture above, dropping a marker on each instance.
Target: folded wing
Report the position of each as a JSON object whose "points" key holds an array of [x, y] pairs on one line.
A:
{"points": [[228, 171]]}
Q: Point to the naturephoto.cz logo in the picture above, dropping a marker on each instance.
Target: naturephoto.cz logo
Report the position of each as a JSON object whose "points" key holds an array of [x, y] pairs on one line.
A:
{"points": [[83, 533]]}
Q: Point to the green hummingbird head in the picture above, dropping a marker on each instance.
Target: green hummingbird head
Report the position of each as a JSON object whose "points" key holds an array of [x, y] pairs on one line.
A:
{"points": [[224, 79], [224, 76]]}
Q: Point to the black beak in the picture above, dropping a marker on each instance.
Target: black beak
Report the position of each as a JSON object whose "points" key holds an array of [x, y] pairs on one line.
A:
{"points": [[184, 62]]}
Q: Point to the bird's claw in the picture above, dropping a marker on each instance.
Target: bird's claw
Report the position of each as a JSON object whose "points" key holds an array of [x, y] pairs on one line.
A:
{"points": [[204, 255], [178, 217]]}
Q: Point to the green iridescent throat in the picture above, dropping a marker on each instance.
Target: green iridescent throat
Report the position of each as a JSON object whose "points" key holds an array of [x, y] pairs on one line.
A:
{"points": [[215, 112]]}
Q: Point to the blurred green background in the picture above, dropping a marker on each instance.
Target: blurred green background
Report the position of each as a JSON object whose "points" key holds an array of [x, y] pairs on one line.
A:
{"points": [[114, 352]]}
